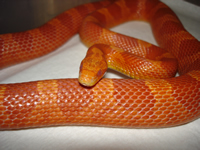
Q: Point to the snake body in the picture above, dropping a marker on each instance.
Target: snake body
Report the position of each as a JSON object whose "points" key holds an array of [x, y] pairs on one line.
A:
{"points": [[143, 103]]}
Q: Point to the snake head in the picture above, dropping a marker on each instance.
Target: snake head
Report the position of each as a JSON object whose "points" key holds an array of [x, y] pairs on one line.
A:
{"points": [[92, 68]]}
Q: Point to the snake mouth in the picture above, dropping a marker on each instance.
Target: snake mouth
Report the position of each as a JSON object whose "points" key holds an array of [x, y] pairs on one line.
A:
{"points": [[86, 80]]}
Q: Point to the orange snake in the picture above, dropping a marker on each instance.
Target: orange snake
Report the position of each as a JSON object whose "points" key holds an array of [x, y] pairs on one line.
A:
{"points": [[143, 103]]}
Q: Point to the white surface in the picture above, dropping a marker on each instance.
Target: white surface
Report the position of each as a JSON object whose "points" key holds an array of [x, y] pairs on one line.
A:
{"points": [[64, 63]]}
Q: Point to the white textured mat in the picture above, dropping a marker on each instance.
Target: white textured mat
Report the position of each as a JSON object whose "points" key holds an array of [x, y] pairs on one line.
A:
{"points": [[64, 63]]}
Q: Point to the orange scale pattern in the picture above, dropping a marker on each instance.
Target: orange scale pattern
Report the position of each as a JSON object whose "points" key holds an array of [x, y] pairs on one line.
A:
{"points": [[144, 103]]}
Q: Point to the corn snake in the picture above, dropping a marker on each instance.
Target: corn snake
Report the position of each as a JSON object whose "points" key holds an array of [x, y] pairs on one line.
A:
{"points": [[103, 105]]}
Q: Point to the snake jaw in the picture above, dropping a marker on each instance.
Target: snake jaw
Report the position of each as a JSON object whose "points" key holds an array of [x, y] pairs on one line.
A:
{"points": [[90, 79], [85, 80]]}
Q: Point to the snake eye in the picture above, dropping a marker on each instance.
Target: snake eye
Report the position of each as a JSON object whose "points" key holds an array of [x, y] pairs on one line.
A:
{"points": [[99, 73]]}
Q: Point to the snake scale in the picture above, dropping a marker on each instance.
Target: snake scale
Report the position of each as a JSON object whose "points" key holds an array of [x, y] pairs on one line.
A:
{"points": [[132, 103]]}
